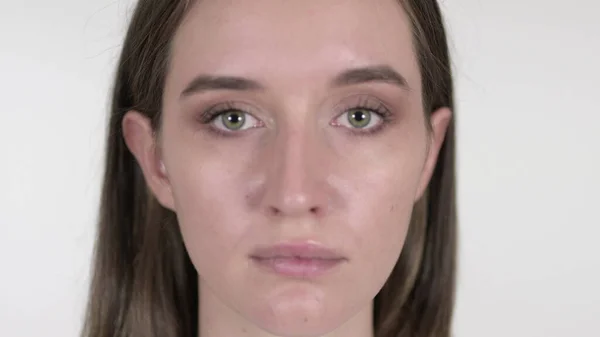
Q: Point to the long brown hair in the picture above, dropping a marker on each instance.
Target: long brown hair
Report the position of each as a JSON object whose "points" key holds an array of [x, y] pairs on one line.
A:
{"points": [[144, 284]]}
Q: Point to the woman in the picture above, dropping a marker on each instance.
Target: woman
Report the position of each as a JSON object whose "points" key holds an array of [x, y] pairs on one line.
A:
{"points": [[278, 168]]}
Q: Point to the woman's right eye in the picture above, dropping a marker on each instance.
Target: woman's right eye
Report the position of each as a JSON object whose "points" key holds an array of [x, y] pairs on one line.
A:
{"points": [[234, 120]]}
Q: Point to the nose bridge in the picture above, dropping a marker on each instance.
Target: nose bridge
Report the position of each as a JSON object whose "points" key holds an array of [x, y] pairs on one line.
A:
{"points": [[295, 182]]}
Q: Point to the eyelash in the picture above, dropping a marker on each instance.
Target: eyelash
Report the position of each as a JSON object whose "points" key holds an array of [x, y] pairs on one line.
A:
{"points": [[364, 103], [210, 115], [374, 106]]}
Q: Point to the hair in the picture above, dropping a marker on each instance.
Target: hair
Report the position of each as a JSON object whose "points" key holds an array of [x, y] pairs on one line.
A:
{"points": [[144, 284]]}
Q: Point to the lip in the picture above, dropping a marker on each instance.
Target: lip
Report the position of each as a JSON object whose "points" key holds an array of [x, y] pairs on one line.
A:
{"points": [[297, 260]]}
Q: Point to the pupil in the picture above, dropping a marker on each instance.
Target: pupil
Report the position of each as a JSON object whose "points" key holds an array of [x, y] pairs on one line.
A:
{"points": [[234, 119], [359, 116]]}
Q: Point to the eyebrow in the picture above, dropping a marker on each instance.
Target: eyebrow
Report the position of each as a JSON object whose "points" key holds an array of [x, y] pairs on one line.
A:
{"points": [[206, 82], [377, 73]]}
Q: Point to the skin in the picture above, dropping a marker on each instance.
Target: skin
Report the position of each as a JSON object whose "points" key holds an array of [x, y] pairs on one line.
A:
{"points": [[300, 171]]}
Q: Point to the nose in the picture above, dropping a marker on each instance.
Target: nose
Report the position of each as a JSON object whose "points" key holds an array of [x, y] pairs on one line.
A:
{"points": [[296, 176]]}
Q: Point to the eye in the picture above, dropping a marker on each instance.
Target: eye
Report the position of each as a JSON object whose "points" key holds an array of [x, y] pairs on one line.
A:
{"points": [[234, 120], [359, 118]]}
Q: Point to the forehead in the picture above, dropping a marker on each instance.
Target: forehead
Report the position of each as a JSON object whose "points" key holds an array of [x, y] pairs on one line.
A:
{"points": [[301, 40]]}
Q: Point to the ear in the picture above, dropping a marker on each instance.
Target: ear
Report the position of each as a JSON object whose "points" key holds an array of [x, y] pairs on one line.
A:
{"points": [[440, 119], [141, 141]]}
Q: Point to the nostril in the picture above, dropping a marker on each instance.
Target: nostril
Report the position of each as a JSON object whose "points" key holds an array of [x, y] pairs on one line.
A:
{"points": [[275, 211]]}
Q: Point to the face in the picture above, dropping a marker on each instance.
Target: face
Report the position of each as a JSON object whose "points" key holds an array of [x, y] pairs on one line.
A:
{"points": [[294, 146]]}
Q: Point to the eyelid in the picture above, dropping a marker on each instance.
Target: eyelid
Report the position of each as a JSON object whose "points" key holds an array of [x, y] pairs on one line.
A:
{"points": [[355, 102], [212, 115], [217, 120], [377, 117], [209, 114], [362, 101], [383, 115]]}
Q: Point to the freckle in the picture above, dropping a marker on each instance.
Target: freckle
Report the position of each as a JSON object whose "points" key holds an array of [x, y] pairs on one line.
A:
{"points": [[305, 319]]}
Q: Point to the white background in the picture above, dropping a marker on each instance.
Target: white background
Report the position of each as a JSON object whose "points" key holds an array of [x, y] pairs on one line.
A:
{"points": [[528, 84]]}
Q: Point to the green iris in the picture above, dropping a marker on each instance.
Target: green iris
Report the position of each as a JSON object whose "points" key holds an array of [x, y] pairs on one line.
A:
{"points": [[233, 120], [359, 118]]}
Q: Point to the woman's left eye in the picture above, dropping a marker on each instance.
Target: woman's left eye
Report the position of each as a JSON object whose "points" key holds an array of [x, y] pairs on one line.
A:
{"points": [[359, 118]]}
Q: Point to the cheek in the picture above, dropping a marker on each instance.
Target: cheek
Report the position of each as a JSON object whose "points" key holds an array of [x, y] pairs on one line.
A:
{"points": [[206, 197], [385, 208], [383, 201]]}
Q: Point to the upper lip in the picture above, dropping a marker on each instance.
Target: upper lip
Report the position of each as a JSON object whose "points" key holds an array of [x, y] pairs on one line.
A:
{"points": [[305, 250]]}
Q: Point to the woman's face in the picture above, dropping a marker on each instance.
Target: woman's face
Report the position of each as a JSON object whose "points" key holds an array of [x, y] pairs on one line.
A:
{"points": [[290, 125]]}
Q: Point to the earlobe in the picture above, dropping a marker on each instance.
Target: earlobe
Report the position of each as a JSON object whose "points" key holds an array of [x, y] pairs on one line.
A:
{"points": [[139, 137], [440, 119]]}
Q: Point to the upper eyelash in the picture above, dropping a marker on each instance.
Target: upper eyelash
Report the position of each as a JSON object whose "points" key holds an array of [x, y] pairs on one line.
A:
{"points": [[212, 113], [366, 103]]}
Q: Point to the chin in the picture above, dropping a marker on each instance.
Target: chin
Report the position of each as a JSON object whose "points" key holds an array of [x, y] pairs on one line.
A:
{"points": [[299, 314], [300, 326]]}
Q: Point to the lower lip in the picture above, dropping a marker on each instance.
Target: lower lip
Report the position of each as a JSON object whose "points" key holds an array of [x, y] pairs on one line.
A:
{"points": [[298, 267]]}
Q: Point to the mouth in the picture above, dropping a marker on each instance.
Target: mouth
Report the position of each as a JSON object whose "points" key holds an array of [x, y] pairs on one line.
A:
{"points": [[303, 260]]}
